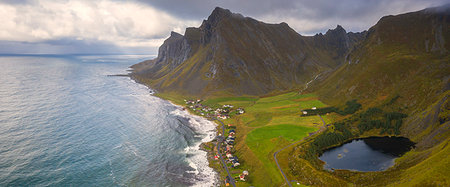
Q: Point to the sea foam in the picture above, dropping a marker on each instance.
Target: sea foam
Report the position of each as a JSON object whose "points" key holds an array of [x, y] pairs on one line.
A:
{"points": [[205, 129]]}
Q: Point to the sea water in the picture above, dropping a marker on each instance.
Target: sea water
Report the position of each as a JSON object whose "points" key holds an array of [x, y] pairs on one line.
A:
{"points": [[65, 122]]}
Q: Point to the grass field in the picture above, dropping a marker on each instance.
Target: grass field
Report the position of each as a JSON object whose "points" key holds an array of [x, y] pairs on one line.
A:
{"points": [[268, 124], [266, 140]]}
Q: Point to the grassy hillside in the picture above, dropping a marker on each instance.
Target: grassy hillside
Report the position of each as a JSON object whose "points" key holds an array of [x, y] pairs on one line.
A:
{"points": [[404, 57]]}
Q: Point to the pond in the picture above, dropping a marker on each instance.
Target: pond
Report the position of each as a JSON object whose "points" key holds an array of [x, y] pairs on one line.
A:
{"points": [[366, 154]]}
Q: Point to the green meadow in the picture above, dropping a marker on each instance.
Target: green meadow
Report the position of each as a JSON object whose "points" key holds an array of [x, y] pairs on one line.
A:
{"points": [[269, 124]]}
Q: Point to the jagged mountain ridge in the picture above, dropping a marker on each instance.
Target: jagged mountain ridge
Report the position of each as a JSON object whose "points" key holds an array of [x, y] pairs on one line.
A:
{"points": [[404, 56], [239, 55]]}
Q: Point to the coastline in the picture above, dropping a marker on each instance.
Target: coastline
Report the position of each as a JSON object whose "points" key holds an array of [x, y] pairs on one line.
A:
{"points": [[205, 175]]}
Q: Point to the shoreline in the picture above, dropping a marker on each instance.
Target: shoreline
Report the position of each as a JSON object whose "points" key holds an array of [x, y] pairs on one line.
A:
{"points": [[207, 129], [202, 162]]}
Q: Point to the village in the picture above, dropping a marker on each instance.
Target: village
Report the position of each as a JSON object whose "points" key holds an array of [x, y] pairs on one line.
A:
{"points": [[227, 142], [212, 113]]}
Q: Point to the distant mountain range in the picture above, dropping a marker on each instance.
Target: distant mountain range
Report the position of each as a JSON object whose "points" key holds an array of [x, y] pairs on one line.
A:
{"points": [[239, 55]]}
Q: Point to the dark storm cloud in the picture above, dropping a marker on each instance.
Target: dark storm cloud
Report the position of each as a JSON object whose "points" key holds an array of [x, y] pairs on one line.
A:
{"points": [[140, 26], [198, 9], [354, 15]]}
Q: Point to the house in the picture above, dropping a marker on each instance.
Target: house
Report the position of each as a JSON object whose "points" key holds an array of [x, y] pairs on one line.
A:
{"points": [[232, 131], [216, 157], [304, 112], [242, 177], [230, 142], [240, 111], [313, 108], [229, 147], [229, 155], [222, 116], [189, 102], [235, 163], [227, 106]]}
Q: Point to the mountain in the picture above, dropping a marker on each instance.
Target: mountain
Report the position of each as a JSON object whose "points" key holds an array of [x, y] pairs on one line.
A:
{"points": [[237, 55], [406, 57], [401, 65]]}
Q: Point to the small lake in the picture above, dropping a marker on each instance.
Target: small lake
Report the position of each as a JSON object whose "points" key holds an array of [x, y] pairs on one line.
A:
{"points": [[367, 154]]}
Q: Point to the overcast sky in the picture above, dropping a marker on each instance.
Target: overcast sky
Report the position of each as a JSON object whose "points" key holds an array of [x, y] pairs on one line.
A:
{"points": [[138, 26]]}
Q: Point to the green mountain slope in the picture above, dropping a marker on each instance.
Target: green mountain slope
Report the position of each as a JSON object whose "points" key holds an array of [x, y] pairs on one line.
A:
{"points": [[402, 65], [404, 56]]}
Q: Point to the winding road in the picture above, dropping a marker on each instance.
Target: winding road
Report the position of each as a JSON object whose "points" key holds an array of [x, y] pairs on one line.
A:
{"points": [[219, 141], [276, 153]]}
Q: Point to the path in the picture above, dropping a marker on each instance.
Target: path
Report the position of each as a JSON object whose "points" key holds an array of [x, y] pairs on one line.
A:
{"points": [[219, 141], [307, 84], [276, 153]]}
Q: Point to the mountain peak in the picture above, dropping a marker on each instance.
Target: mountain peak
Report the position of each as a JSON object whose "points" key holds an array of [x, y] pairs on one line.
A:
{"points": [[338, 30], [339, 27], [217, 15], [218, 12], [175, 34]]}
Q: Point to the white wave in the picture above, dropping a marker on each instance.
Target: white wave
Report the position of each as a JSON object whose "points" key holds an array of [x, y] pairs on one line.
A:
{"points": [[204, 175]]}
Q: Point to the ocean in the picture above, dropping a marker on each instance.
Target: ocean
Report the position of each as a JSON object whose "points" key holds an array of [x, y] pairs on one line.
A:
{"points": [[65, 122]]}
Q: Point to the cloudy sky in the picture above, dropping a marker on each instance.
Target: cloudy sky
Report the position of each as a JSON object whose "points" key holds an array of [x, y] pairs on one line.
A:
{"points": [[139, 27]]}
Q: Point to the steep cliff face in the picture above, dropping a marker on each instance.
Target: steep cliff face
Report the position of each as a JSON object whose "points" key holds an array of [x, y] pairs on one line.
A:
{"points": [[174, 51], [233, 54]]}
